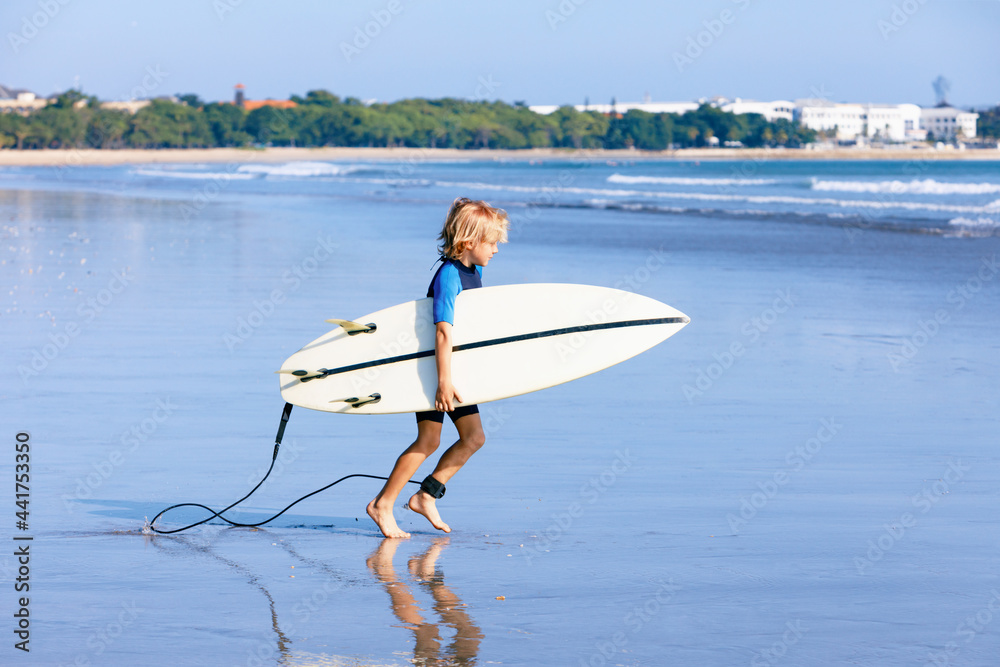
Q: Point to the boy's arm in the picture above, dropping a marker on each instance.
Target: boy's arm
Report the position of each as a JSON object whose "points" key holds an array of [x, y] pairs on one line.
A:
{"points": [[446, 396]]}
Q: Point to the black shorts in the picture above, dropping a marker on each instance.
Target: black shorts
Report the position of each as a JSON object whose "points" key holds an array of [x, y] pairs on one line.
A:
{"points": [[457, 413]]}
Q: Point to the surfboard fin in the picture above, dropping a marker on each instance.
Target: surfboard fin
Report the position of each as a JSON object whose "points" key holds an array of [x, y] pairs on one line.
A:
{"points": [[304, 376], [354, 328], [357, 402]]}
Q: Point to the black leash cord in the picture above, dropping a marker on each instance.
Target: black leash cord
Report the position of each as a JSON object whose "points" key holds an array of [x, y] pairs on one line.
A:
{"points": [[274, 457]]}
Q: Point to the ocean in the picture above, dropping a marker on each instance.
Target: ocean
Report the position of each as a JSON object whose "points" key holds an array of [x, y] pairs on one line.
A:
{"points": [[805, 475]]}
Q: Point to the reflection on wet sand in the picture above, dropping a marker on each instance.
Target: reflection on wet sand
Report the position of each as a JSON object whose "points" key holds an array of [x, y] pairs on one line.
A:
{"points": [[204, 547], [464, 646]]}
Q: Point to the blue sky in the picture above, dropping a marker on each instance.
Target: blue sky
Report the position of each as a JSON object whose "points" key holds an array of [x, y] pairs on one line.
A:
{"points": [[544, 52]]}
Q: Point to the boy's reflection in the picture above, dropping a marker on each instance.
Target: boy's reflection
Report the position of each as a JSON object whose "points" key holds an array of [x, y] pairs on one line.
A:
{"points": [[464, 646]]}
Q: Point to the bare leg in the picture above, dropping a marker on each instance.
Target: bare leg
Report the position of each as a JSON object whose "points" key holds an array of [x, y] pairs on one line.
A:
{"points": [[470, 439], [380, 508]]}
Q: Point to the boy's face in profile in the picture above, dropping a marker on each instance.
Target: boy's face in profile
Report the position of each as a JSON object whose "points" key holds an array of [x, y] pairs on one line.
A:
{"points": [[480, 253]]}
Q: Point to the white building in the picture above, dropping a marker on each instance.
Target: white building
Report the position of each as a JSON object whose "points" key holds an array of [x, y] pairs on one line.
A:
{"points": [[845, 120], [949, 122], [771, 111], [22, 102], [891, 122], [887, 122], [131, 106], [911, 122]]}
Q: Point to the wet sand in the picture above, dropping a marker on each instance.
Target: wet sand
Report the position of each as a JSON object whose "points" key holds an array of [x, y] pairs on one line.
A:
{"points": [[771, 486]]}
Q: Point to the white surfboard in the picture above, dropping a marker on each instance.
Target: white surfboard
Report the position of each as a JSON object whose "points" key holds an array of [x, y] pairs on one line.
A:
{"points": [[507, 340]]}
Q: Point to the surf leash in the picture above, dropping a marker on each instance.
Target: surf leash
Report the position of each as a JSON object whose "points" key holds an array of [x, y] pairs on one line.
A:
{"points": [[285, 413]]}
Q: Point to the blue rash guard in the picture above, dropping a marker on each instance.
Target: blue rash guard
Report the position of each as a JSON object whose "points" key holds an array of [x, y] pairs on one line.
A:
{"points": [[451, 278]]}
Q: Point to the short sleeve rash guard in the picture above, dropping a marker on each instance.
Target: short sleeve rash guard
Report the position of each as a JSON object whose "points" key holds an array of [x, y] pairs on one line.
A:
{"points": [[451, 278]]}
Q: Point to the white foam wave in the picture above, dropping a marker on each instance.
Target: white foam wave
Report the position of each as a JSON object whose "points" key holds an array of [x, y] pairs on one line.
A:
{"points": [[546, 193], [301, 169], [679, 180], [198, 175], [927, 186], [977, 222]]}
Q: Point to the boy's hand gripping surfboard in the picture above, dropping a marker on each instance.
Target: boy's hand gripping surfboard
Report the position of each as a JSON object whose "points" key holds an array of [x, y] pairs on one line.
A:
{"points": [[507, 340]]}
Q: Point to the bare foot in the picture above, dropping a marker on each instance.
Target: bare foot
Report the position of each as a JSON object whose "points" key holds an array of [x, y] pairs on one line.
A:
{"points": [[383, 518], [422, 503]]}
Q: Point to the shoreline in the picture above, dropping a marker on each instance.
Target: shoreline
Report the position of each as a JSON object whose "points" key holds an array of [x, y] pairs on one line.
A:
{"points": [[107, 157]]}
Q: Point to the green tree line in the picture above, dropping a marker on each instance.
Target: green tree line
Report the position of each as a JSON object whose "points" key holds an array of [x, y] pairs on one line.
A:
{"points": [[988, 123], [321, 118]]}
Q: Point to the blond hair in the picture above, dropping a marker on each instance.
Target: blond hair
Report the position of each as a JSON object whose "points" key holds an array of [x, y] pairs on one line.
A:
{"points": [[470, 222]]}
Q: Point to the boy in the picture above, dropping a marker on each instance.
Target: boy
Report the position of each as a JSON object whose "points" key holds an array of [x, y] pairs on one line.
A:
{"points": [[469, 240]]}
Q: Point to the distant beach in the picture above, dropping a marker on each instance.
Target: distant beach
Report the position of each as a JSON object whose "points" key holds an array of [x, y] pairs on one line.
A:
{"points": [[57, 158]]}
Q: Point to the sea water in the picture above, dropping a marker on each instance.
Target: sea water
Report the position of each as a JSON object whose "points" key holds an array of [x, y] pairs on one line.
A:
{"points": [[804, 475]]}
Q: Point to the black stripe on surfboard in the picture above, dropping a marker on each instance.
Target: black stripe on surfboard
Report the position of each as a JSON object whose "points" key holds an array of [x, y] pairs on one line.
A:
{"points": [[582, 328]]}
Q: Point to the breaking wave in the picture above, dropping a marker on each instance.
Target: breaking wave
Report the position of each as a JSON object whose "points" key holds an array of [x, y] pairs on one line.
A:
{"points": [[848, 221], [303, 169], [857, 204], [196, 175], [250, 171], [679, 180], [927, 186], [977, 222]]}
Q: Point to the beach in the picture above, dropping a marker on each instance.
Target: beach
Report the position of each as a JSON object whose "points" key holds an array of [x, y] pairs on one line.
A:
{"points": [[806, 474], [82, 157]]}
